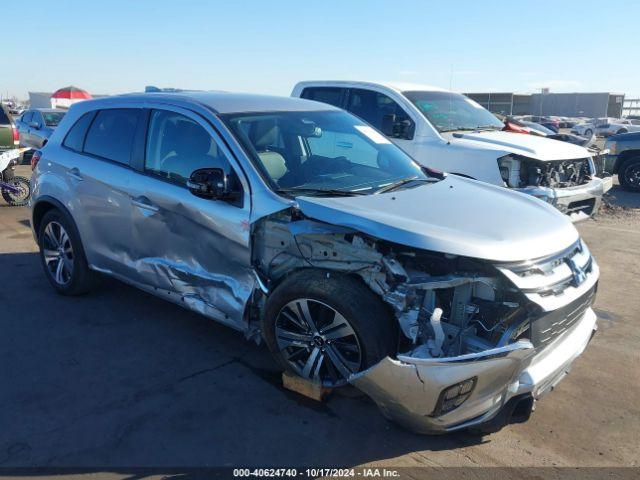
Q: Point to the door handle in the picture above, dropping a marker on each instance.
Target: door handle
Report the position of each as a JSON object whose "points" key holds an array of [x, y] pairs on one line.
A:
{"points": [[144, 203], [344, 144], [75, 174]]}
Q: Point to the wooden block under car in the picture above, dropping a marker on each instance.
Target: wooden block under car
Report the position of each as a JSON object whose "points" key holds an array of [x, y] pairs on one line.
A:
{"points": [[304, 387]]}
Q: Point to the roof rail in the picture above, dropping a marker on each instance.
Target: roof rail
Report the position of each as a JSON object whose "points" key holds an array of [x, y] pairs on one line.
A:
{"points": [[153, 89]]}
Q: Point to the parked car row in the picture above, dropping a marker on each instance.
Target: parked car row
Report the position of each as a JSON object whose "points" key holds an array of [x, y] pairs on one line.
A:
{"points": [[605, 127], [453, 303]]}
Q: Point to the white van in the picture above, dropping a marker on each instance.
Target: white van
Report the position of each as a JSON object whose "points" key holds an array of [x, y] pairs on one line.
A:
{"points": [[450, 132]]}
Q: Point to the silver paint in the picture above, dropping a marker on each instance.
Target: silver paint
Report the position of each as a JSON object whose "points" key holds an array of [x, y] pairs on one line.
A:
{"points": [[223, 260]]}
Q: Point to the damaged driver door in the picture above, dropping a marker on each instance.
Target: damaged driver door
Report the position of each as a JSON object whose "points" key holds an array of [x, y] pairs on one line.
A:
{"points": [[191, 250]]}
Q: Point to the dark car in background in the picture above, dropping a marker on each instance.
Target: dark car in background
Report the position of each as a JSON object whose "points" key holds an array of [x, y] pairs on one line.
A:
{"points": [[36, 125], [8, 132], [624, 159]]}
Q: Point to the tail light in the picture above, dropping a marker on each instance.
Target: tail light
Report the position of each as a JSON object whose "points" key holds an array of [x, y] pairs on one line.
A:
{"points": [[16, 135], [35, 158]]}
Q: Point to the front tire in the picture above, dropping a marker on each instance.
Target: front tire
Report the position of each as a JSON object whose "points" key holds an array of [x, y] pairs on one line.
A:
{"points": [[326, 326], [622, 130], [62, 256], [588, 133], [629, 174]]}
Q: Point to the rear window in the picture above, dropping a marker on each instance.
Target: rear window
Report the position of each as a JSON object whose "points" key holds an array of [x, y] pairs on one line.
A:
{"points": [[111, 134], [75, 138], [4, 117]]}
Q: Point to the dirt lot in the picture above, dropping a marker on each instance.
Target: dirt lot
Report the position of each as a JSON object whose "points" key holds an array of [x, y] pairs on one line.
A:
{"points": [[120, 378]]}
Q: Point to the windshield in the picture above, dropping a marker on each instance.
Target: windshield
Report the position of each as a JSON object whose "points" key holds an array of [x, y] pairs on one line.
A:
{"points": [[449, 112], [52, 119], [326, 152]]}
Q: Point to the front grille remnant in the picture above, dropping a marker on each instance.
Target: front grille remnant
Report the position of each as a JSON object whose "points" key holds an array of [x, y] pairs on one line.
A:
{"points": [[548, 327], [555, 174]]}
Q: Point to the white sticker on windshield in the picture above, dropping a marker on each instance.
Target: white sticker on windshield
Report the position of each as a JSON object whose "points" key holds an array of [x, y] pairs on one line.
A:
{"points": [[372, 134]]}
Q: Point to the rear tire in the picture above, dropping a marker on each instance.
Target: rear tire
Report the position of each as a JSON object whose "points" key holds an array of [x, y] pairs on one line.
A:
{"points": [[350, 330], [62, 255], [588, 132], [18, 199], [629, 174]]}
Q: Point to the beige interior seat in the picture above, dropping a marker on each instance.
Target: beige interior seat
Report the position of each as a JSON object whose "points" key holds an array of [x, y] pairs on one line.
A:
{"points": [[274, 164]]}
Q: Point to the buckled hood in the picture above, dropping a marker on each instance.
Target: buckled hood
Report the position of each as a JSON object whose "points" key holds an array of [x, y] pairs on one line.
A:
{"points": [[456, 215], [531, 146]]}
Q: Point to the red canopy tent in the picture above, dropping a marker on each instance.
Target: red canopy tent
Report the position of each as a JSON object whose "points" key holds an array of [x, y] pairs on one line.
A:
{"points": [[67, 96]]}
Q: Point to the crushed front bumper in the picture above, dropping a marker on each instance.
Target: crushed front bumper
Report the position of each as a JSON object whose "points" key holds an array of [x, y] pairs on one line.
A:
{"points": [[407, 389], [579, 202]]}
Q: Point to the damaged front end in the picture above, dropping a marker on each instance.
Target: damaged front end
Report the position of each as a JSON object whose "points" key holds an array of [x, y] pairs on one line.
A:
{"points": [[476, 337], [569, 185]]}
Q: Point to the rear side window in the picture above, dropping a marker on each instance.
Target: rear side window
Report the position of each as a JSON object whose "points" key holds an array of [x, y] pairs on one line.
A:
{"points": [[26, 118], [331, 95], [4, 118], [111, 134], [75, 138]]}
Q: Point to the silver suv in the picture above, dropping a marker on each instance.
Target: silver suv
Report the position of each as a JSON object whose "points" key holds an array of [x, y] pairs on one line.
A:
{"points": [[452, 303]]}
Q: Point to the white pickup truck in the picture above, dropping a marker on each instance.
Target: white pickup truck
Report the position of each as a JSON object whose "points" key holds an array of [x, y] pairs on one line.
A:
{"points": [[450, 132]]}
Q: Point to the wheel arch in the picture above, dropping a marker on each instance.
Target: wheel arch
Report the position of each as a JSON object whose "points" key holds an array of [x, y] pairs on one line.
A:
{"points": [[623, 157], [44, 205]]}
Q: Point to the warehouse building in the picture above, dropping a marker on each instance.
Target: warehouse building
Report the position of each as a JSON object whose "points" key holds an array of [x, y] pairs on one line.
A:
{"points": [[560, 104]]}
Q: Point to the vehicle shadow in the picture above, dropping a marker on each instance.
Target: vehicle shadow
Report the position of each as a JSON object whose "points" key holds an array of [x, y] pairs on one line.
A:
{"points": [[120, 378], [620, 197]]}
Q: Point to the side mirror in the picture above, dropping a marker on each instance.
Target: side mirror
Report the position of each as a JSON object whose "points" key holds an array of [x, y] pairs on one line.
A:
{"points": [[394, 128], [209, 183], [35, 125]]}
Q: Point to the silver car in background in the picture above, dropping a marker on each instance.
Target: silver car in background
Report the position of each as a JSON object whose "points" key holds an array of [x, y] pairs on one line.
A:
{"points": [[451, 303], [36, 125]]}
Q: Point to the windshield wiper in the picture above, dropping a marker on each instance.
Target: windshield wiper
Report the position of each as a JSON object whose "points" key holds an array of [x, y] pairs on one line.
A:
{"points": [[404, 181], [472, 129], [320, 191], [488, 127]]}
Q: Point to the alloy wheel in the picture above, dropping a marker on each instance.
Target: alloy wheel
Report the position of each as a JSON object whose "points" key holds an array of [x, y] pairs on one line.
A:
{"points": [[632, 175], [317, 342], [58, 253]]}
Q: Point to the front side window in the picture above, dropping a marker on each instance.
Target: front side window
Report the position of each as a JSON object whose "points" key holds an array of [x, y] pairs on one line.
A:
{"points": [[449, 112], [37, 118], [26, 118], [373, 106], [177, 146], [52, 119], [322, 152], [111, 134]]}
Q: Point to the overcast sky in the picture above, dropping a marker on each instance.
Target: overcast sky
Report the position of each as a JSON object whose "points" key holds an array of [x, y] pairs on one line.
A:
{"points": [[268, 45]]}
